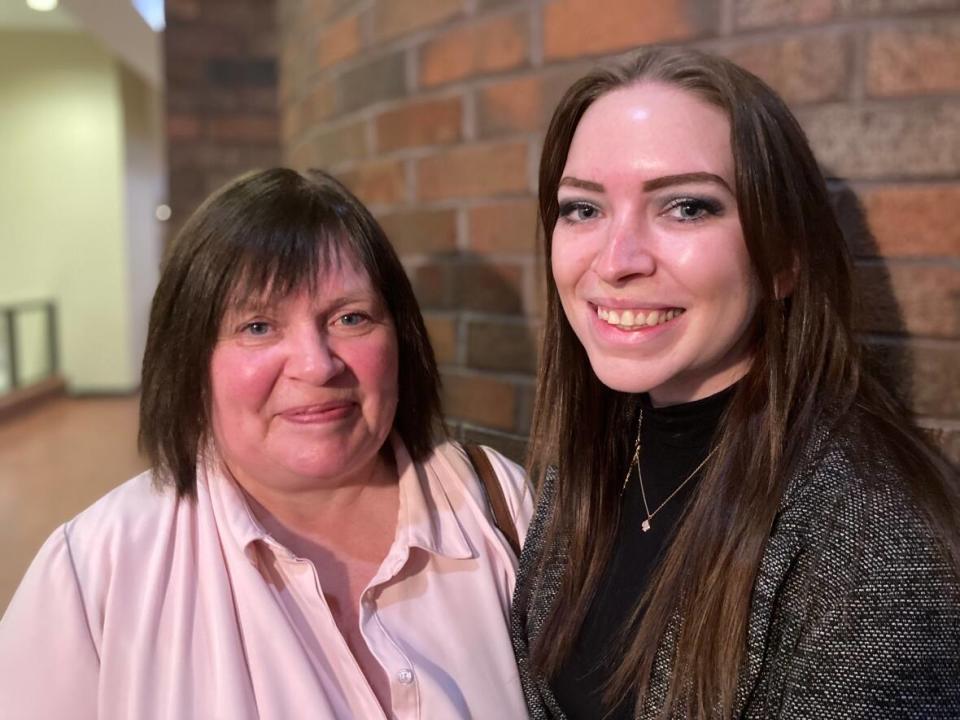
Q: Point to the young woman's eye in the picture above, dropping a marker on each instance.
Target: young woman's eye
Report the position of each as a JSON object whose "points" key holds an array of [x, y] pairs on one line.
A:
{"points": [[692, 209], [578, 211]]}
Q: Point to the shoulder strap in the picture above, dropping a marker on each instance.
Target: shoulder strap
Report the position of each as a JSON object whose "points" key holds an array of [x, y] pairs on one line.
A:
{"points": [[498, 503]]}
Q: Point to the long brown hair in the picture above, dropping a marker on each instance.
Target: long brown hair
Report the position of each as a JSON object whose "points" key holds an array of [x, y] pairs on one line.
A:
{"points": [[266, 233], [806, 371]]}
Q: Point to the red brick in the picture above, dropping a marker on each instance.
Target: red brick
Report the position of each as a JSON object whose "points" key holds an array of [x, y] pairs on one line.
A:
{"points": [[377, 183], [866, 8], [433, 284], [339, 41], [914, 60], [947, 439], [894, 140], [442, 330], [573, 28], [763, 13], [513, 446], [258, 99], [435, 122], [809, 68], [504, 227], [936, 378], [392, 19], [180, 10], [489, 287], [383, 78], [907, 297], [926, 373], [480, 399], [317, 12], [297, 156], [421, 231], [501, 346], [336, 145], [291, 122], [183, 127], [320, 103], [514, 105], [243, 129], [914, 220], [523, 104], [491, 45], [474, 171]]}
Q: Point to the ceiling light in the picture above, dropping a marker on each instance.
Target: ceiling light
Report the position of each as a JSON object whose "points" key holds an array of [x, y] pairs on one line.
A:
{"points": [[42, 5]]}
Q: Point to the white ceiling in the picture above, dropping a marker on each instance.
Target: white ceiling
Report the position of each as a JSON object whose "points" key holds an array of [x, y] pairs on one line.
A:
{"points": [[16, 16]]}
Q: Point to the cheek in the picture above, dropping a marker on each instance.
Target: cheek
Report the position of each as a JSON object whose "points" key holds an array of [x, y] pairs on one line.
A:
{"points": [[376, 366], [716, 268], [239, 381], [568, 262]]}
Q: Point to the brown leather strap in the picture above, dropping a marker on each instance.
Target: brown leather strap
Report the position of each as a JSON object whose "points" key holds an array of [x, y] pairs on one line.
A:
{"points": [[495, 497]]}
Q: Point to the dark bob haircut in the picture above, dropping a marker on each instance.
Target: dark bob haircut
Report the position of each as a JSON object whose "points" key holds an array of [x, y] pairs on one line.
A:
{"points": [[266, 235]]}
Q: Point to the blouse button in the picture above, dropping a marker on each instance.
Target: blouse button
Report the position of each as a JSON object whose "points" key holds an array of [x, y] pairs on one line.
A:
{"points": [[405, 676]]}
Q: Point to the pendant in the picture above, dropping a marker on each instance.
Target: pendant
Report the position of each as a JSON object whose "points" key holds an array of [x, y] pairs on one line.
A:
{"points": [[645, 525]]}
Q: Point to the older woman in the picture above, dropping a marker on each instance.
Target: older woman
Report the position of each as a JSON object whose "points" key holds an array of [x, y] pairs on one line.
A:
{"points": [[750, 527], [301, 547]]}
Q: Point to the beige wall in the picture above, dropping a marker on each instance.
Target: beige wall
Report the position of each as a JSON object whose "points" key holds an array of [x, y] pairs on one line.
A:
{"points": [[64, 226]]}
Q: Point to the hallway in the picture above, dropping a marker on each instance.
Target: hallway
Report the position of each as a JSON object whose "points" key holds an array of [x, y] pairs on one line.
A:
{"points": [[56, 460]]}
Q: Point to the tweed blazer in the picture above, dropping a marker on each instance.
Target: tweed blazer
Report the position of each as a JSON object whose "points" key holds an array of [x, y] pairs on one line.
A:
{"points": [[855, 613]]}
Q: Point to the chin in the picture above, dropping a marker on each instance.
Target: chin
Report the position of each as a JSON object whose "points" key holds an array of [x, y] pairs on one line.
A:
{"points": [[627, 376]]}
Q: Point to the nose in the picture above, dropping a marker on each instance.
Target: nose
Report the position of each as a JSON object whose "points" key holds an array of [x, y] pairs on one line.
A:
{"points": [[311, 357], [626, 252]]}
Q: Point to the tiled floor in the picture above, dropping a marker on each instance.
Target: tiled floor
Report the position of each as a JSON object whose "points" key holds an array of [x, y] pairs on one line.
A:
{"points": [[55, 461]]}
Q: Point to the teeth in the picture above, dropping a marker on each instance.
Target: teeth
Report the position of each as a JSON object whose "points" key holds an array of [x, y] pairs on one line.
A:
{"points": [[637, 318]]}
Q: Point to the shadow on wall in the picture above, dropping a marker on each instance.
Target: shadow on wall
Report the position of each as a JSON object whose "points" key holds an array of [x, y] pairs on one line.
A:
{"points": [[896, 336], [483, 334], [878, 319]]}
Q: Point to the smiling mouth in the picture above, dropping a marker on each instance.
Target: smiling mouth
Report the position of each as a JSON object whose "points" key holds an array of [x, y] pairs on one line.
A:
{"points": [[637, 319], [319, 413]]}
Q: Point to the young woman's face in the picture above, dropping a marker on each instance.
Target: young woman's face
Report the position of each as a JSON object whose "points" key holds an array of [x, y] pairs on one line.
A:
{"points": [[648, 254], [305, 389]]}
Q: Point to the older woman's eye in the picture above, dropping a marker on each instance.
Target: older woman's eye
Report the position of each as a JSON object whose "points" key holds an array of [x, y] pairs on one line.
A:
{"points": [[693, 209], [353, 319], [257, 328], [578, 211]]}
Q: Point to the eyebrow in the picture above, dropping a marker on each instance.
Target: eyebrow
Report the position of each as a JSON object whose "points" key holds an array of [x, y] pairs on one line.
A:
{"points": [[655, 183]]}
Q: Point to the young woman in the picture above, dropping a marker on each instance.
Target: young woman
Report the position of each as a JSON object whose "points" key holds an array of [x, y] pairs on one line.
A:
{"points": [[736, 519]]}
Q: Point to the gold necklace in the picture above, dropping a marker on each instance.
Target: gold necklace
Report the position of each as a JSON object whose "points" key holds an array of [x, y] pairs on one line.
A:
{"points": [[645, 525]]}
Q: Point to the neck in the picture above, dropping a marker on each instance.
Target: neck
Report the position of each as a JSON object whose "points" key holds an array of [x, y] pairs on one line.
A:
{"points": [[312, 514]]}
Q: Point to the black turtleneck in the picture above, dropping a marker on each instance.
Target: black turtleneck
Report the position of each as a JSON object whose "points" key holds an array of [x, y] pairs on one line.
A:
{"points": [[674, 441]]}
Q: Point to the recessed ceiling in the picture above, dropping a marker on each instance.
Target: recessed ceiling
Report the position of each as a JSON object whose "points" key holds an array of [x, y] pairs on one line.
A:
{"points": [[15, 15]]}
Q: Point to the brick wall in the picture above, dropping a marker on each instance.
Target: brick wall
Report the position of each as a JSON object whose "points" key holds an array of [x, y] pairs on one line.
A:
{"points": [[221, 95], [433, 111]]}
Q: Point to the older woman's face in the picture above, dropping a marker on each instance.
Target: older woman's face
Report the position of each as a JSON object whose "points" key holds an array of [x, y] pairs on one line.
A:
{"points": [[648, 253], [305, 390]]}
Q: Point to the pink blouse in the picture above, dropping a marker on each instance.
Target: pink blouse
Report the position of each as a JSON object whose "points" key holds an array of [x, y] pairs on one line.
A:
{"points": [[148, 606]]}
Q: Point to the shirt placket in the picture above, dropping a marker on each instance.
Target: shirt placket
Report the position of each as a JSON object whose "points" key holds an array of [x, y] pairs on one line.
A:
{"points": [[404, 682], [302, 573]]}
